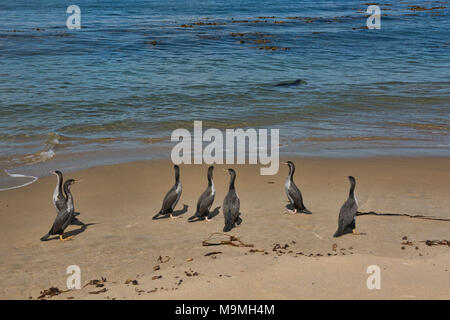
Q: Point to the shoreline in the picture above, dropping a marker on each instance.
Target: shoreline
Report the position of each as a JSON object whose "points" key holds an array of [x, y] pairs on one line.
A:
{"points": [[66, 164], [122, 242]]}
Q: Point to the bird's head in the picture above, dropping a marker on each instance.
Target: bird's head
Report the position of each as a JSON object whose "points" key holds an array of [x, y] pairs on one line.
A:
{"points": [[352, 180], [69, 183], [291, 166], [57, 173]]}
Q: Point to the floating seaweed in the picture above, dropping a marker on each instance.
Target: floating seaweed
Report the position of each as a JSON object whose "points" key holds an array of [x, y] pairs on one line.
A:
{"points": [[272, 48], [153, 42], [419, 8], [359, 28]]}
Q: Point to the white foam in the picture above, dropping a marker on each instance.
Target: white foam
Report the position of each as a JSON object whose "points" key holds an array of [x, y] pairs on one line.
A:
{"points": [[17, 175], [46, 155]]}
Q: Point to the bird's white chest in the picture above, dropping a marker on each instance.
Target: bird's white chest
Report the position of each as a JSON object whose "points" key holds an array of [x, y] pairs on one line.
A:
{"points": [[287, 185], [55, 194], [179, 188], [213, 189]]}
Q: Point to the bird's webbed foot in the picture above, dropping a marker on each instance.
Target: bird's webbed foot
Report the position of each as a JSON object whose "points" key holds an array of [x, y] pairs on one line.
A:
{"points": [[61, 237]]}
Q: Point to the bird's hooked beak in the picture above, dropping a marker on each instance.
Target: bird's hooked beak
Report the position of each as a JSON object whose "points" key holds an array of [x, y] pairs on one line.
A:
{"points": [[77, 181], [284, 162]]}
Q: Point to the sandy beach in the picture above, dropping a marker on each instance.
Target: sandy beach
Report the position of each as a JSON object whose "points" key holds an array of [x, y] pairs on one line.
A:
{"points": [[292, 257]]}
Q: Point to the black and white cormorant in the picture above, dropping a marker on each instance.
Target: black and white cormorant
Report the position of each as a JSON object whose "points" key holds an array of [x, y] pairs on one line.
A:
{"points": [[347, 215], [206, 199], [64, 216], [231, 205], [172, 197], [59, 200], [293, 193]]}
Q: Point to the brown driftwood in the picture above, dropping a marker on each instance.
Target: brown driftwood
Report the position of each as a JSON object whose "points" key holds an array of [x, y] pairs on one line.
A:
{"points": [[232, 241], [417, 216]]}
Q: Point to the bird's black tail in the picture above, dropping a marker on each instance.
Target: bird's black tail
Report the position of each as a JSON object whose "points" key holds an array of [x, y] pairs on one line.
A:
{"points": [[306, 211], [156, 215], [76, 222], [338, 233], [229, 224], [45, 238], [196, 215]]}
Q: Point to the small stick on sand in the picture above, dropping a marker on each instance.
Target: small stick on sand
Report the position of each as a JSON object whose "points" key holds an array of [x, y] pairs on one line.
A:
{"points": [[437, 242], [417, 216], [212, 253]]}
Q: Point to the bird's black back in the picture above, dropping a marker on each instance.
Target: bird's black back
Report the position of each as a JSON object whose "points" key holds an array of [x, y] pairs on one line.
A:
{"points": [[296, 195], [347, 214], [205, 202], [170, 200], [231, 206]]}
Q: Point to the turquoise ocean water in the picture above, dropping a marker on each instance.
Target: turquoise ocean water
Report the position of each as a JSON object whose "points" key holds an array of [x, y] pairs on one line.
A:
{"points": [[114, 90]]}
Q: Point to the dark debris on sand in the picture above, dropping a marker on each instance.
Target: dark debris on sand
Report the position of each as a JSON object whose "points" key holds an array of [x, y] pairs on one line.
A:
{"points": [[437, 243], [232, 241], [50, 292], [163, 259], [191, 273], [96, 282], [99, 291], [212, 253], [133, 282]]}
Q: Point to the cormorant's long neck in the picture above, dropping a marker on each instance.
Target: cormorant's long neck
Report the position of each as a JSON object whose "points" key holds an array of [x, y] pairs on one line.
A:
{"points": [[177, 177], [291, 173], [59, 184], [352, 190], [210, 180], [69, 197], [233, 177]]}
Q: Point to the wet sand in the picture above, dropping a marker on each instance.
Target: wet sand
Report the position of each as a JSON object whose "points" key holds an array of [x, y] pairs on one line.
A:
{"points": [[122, 242]]}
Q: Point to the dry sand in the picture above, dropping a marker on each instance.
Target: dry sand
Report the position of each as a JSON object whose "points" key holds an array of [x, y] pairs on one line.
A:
{"points": [[123, 242]]}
